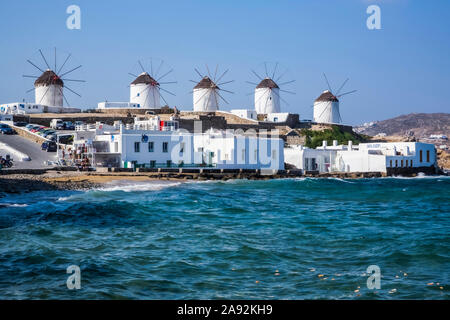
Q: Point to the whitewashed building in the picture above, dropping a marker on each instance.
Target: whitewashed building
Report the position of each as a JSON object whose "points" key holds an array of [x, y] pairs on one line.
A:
{"points": [[118, 105], [277, 117], [245, 114], [21, 108], [154, 143], [365, 157]]}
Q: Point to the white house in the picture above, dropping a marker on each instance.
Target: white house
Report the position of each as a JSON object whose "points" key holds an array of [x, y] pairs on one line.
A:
{"points": [[21, 108], [245, 114], [366, 157], [232, 151], [277, 117], [118, 105], [155, 143]]}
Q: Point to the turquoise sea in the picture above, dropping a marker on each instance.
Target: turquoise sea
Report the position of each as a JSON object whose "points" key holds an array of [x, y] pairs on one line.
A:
{"points": [[277, 239]]}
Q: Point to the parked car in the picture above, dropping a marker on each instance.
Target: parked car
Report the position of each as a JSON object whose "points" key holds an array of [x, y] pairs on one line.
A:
{"points": [[41, 130], [20, 124], [69, 125], [49, 146], [48, 133], [30, 126], [5, 129], [57, 124], [36, 128], [79, 123]]}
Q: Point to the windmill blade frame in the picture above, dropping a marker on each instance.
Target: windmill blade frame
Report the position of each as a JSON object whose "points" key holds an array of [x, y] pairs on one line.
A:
{"points": [[62, 66], [35, 66], [353, 91], [328, 83], [324, 109], [342, 86], [221, 96], [72, 70], [45, 60]]}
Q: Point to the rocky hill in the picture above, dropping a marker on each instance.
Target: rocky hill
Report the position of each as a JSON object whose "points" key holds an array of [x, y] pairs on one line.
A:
{"points": [[419, 125]]}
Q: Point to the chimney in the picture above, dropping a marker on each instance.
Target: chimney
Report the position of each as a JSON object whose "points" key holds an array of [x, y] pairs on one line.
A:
{"points": [[335, 143], [350, 145], [324, 143]]}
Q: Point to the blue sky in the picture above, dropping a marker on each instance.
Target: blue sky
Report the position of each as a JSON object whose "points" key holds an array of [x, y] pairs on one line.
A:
{"points": [[402, 68]]}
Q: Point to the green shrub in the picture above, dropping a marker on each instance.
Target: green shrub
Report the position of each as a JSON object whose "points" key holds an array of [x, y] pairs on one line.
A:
{"points": [[314, 138]]}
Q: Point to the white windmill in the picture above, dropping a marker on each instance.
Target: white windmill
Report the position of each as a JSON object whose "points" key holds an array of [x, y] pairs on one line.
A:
{"points": [[48, 87], [267, 91], [326, 106], [146, 87], [206, 94]]}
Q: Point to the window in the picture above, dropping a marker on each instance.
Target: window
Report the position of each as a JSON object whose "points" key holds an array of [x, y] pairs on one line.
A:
{"points": [[396, 163], [169, 163], [428, 155], [411, 163], [181, 147], [421, 157], [406, 165], [138, 94], [401, 163], [152, 163], [390, 163], [165, 147], [151, 146], [137, 146]]}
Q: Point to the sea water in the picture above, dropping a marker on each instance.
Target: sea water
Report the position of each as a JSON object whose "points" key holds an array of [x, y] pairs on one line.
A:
{"points": [[276, 239]]}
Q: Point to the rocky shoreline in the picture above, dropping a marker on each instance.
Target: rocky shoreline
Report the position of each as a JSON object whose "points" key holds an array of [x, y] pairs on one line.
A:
{"points": [[23, 183], [52, 180]]}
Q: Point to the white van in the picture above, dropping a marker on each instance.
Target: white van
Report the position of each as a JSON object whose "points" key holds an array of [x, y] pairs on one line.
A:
{"points": [[57, 124]]}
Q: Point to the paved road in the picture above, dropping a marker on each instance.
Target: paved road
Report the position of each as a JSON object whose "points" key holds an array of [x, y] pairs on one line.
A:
{"points": [[33, 150]]}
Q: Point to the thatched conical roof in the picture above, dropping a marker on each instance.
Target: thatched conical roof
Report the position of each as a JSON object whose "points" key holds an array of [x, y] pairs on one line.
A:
{"points": [[267, 83], [145, 78], [327, 96], [206, 82], [47, 78]]}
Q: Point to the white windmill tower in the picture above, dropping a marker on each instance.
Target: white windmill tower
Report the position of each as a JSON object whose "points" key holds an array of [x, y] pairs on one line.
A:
{"points": [[48, 87], [326, 106], [146, 88], [206, 94], [267, 91]]}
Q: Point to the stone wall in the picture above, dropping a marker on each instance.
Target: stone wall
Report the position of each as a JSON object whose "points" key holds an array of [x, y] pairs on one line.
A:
{"points": [[28, 135]]}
